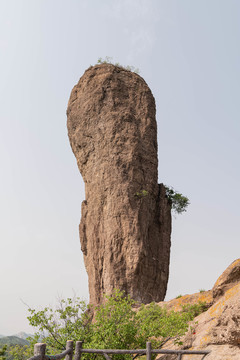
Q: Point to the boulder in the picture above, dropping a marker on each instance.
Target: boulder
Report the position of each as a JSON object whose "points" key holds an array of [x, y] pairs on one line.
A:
{"points": [[125, 226], [229, 278]]}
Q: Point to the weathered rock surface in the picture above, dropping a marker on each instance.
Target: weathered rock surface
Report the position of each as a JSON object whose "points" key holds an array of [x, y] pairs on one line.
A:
{"points": [[229, 278], [126, 218], [217, 329]]}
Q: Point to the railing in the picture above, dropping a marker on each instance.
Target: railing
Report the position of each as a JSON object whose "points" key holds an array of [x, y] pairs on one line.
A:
{"points": [[40, 349]]}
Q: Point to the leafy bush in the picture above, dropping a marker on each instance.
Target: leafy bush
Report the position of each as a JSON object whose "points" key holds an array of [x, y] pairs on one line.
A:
{"points": [[178, 201], [19, 352], [71, 320], [158, 324], [179, 296], [195, 309], [116, 324]]}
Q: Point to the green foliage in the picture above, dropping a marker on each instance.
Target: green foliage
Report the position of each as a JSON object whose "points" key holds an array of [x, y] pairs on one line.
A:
{"points": [[108, 60], [178, 201], [115, 325], [70, 320], [19, 352], [142, 193], [3, 351], [195, 309], [202, 290], [179, 296], [157, 324]]}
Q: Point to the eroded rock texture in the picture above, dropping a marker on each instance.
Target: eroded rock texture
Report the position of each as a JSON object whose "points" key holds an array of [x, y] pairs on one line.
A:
{"points": [[126, 218]]}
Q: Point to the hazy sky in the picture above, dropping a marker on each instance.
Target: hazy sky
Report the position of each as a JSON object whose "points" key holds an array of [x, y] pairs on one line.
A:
{"points": [[188, 52]]}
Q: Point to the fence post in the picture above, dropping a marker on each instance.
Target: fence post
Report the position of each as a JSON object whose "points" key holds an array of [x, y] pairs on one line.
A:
{"points": [[39, 350], [149, 350], [78, 350], [69, 346]]}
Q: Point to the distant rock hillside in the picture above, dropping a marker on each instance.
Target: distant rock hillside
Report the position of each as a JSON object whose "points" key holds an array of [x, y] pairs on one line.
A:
{"points": [[13, 340], [125, 227], [23, 335]]}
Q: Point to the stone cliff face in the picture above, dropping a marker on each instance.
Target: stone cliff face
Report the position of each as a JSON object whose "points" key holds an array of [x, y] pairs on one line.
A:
{"points": [[126, 218]]}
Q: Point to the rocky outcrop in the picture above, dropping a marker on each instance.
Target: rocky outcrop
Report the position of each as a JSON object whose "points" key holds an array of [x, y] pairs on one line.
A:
{"points": [[126, 218], [217, 329], [229, 278]]}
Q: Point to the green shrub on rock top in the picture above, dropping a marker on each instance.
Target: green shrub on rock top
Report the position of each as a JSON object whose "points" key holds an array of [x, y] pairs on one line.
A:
{"points": [[108, 60]]}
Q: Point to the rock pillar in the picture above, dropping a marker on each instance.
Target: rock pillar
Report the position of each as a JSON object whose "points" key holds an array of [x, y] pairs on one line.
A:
{"points": [[125, 226]]}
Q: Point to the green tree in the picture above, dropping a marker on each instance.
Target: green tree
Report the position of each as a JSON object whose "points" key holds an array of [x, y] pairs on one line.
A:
{"points": [[70, 320], [115, 323], [178, 202]]}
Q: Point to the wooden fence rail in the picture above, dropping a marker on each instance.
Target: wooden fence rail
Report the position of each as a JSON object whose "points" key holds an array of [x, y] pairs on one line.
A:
{"points": [[40, 350]]}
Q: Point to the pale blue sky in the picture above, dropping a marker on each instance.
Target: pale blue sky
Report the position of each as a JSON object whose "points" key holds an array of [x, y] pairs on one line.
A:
{"points": [[188, 53]]}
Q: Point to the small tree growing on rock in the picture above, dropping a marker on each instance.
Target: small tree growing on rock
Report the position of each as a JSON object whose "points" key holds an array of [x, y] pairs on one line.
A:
{"points": [[178, 201]]}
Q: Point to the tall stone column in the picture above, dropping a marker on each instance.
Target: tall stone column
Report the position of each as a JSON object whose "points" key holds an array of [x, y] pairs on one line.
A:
{"points": [[125, 227]]}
